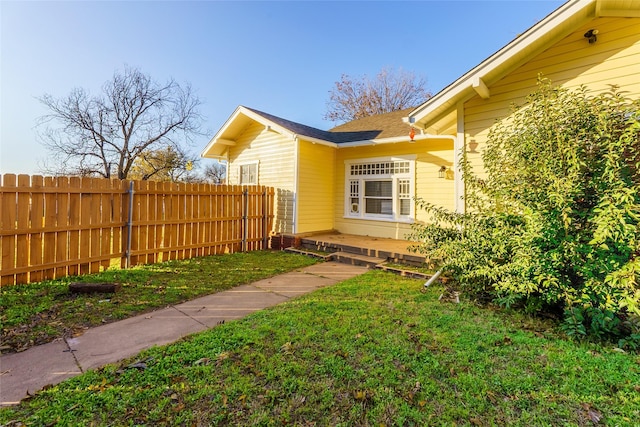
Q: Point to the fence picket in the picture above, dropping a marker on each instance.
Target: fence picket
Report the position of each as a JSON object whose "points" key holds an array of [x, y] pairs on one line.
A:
{"points": [[62, 225], [9, 206], [50, 222], [37, 223], [54, 227]]}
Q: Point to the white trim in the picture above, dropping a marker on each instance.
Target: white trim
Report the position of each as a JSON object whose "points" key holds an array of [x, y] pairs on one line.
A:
{"points": [[390, 140], [392, 177], [381, 159]]}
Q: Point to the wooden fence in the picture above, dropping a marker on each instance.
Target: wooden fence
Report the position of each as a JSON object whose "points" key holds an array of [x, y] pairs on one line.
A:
{"points": [[52, 227]]}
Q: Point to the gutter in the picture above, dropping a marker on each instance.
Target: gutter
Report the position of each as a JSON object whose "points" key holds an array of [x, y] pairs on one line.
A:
{"points": [[394, 140]]}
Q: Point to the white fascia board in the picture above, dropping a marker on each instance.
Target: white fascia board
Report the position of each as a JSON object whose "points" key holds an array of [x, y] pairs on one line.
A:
{"points": [[459, 88], [221, 131], [315, 140], [392, 140], [241, 110]]}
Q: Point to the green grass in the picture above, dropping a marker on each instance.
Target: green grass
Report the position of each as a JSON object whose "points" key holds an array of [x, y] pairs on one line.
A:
{"points": [[373, 350], [40, 312]]}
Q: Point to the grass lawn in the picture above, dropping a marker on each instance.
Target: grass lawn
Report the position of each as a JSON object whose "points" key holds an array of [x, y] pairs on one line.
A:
{"points": [[371, 351], [40, 312]]}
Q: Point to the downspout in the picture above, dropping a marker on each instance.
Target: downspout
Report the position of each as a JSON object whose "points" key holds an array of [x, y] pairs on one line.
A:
{"points": [[433, 278], [226, 178]]}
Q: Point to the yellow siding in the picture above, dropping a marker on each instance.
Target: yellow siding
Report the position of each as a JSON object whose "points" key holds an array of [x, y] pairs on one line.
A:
{"points": [[430, 156], [316, 173], [276, 156], [613, 59]]}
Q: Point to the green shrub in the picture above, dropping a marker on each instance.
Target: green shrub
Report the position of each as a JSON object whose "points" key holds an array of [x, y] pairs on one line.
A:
{"points": [[554, 222]]}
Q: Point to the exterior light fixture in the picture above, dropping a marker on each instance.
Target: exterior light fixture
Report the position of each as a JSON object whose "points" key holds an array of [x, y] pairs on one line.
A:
{"points": [[412, 134], [442, 171], [591, 35]]}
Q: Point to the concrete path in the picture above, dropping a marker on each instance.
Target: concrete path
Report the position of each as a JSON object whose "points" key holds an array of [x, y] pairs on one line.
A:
{"points": [[29, 371]]}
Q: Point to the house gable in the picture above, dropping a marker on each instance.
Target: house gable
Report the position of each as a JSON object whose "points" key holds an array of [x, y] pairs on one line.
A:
{"points": [[439, 115]]}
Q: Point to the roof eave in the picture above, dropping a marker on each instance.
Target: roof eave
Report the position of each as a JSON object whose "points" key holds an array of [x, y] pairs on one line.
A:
{"points": [[240, 110], [391, 140], [472, 82]]}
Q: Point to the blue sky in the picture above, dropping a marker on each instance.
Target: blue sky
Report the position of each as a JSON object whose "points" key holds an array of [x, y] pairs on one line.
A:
{"points": [[279, 57]]}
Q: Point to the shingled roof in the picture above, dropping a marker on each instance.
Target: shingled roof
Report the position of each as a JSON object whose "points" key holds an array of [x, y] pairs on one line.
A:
{"points": [[373, 127], [380, 126]]}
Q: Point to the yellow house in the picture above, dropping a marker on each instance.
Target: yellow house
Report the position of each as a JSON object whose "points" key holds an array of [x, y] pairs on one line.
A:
{"points": [[362, 177], [358, 178], [595, 43]]}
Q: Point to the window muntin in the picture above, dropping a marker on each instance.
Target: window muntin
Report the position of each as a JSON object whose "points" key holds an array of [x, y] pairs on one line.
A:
{"points": [[380, 189], [404, 197], [380, 168], [354, 197]]}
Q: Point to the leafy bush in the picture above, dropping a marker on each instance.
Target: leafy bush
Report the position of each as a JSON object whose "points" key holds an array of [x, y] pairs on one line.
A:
{"points": [[554, 222]]}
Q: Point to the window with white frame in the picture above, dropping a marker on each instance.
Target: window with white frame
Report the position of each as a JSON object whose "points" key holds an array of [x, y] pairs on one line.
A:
{"points": [[248, 174], [380, 189]]}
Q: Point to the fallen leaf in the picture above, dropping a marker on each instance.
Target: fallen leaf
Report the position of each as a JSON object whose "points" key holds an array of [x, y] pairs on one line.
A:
{"points": [[594, 415], [287, 348], [203, 361], [222, 357]]}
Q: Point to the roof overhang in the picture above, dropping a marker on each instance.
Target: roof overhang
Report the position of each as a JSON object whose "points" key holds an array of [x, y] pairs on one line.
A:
{"points": [[393, 140], [227, 135], [243, 117], [238, 122], [550, 30]]}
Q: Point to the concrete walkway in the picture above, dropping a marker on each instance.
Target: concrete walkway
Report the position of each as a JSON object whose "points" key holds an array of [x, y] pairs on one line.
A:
{"points": [[29, 371]]}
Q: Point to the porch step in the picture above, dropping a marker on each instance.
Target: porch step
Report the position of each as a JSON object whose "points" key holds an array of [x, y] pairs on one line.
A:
{"points": [[386, 255], [368, 261], [357, 259], [322, 256], [343, 257]]}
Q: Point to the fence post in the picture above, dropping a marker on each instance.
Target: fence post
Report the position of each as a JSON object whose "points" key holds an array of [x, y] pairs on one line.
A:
{"points": [[129, 224], [265, 210]]}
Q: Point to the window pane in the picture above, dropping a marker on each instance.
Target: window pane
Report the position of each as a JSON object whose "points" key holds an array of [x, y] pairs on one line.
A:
{"points": [[405, 206], [248, 174], [378, 189], [379, 206]]}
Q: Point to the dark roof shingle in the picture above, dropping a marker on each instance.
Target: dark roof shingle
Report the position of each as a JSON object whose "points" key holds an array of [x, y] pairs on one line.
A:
{"points": [[373, 127]]}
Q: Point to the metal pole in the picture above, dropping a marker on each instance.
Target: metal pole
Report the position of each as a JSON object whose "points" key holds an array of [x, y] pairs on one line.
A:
{"points": [[245, 218], [129, 225]]}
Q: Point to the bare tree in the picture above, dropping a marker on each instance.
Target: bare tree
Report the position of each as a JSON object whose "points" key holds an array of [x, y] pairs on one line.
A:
{"points": [[105, 134], [391, 90], [215, 173]]}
